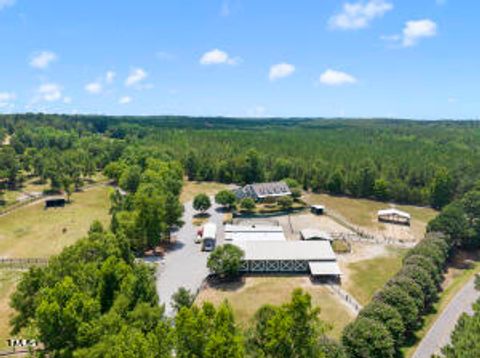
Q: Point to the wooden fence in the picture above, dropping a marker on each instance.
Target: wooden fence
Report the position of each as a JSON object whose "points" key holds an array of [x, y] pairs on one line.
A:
{"points": [[22, 263]]}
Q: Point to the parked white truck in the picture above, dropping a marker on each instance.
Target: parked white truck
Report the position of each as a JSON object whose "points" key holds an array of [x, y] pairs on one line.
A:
{"points": [[209, 236]]}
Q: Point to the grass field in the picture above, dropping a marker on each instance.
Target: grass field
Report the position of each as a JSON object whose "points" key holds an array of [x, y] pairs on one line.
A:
{"points": [[34, 232], [192, 188], [367, 276], [257, 291], [363, 212], [8, 281]]}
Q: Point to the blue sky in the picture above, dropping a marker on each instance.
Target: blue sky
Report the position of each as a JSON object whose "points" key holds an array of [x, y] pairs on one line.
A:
{"points": [[369, 58]]}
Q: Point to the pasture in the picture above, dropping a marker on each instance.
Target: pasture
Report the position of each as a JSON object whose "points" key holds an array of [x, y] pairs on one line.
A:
{"points": [[247, 297]]}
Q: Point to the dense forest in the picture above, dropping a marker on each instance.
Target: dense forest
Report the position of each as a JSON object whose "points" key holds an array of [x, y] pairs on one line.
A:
{"points": [[418, 162], [105, 301]]}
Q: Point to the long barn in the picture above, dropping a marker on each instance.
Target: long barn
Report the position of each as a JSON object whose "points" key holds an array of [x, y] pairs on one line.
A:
{"points": [[315, 257]]}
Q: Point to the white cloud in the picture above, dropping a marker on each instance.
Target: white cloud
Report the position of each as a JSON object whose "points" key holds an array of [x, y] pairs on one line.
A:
{"points": [[358, 15], [50, 92], [6, 99], [67, 100], [6, 3], [416, 30], [136, 76], [257, 111], [43, 59], [94, 88], [336, 78], [125, 100], [280, 70], [217, 57], [110, 76]]}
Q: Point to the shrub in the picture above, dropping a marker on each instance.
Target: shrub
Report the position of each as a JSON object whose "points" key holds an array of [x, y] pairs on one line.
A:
{"points": [[366, 337], [247, 204], [202, 202], [226, 198], [225, 260], [403, 303]]}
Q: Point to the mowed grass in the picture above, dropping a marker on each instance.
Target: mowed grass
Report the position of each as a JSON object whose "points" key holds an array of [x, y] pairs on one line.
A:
{"points": [[32, 231], [368, 276], [248, 298], [193, 188], [363, 212], [8, 281]]}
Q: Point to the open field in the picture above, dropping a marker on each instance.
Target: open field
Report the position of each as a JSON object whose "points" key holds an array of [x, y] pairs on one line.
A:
{"points": [[367, 271], [192, 188], [8, 280], [247, 298], [32, 231], [363, 214], [456, 277]]}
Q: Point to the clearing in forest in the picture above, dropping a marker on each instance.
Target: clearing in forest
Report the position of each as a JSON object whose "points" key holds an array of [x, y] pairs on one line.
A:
{"points": [[193, 188], [32, 231]]}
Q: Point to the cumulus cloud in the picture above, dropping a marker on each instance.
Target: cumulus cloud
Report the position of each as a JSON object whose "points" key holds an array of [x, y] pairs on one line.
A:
{"points": [[217, 57], [280, 70], [136, 76], [358, 15], [43, 59], [6, 3], [50, 92], [415, 30], [6, 99], [110, 76], [125, 100], [94, 88], [336, 78]]}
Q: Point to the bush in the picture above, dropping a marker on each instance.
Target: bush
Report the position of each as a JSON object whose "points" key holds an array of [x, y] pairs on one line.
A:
{"points": [[225, 260], [202, 202], [182, 298], [413, 289], [365, 338], [226, 198], [388, 316], [427, 264], [285, 202], [403, 303], [247, 204], [423, 279]]}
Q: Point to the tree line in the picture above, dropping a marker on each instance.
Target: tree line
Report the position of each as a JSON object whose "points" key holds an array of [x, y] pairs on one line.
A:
{"points": [[396, 312]]}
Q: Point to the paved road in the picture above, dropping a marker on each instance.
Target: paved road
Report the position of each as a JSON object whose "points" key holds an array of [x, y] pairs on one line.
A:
{"points": [[439, 334], [185, 265]]}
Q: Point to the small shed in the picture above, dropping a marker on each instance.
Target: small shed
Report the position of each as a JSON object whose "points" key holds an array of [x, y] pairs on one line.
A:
{"points": [[317, 209], [313, 234], [394, 216], [56, 202]]}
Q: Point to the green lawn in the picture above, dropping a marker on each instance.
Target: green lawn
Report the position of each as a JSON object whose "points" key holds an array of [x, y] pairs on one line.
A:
{"points": [[8, 280], [32, 231], [257, 291], [367, 276]]}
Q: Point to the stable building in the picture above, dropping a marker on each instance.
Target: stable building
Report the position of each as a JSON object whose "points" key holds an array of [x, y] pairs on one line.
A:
{"points": [[253, 233], [394, 216], [314, 257], [263, 191]]}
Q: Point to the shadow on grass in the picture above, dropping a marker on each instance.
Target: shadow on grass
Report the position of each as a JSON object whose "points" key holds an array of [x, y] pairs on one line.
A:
{"points": [[226, 284]]}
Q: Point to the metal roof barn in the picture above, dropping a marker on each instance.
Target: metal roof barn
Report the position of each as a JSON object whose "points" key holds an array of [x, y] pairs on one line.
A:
{"points": [[287, 250]]}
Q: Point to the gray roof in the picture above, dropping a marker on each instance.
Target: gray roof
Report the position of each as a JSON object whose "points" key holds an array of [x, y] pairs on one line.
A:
{"points": [[287, 250], [263, 190], [253, 232], [314, 234], [320, 268], [252, 228]]}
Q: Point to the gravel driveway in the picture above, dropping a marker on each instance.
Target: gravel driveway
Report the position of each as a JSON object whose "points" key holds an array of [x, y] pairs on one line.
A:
{"points": [[439, 334], [185, 265]]}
